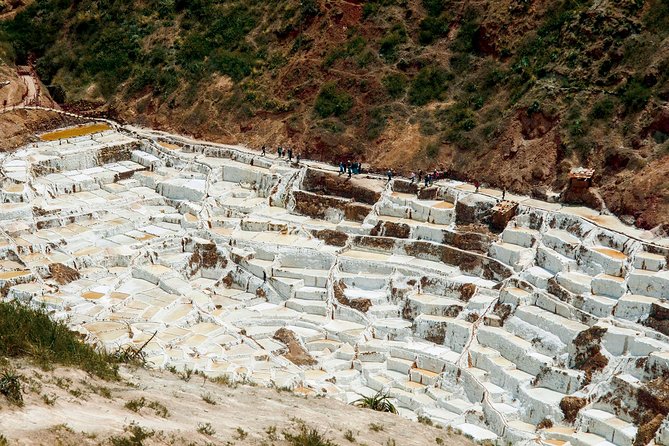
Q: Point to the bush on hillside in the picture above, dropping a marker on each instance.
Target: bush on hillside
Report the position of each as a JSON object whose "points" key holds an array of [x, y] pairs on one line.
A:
{"points": [[332, 101], [395, 84], [433, 28], [430, 84], [635, 95]]}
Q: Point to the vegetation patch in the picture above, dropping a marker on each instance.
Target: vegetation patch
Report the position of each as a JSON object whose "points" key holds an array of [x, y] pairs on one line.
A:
{"points": [[332, 102], [29, 332], [379, 402]]}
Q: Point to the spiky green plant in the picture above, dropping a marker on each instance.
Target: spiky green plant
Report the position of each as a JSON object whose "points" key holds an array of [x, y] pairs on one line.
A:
{"points": [[379, 402]]}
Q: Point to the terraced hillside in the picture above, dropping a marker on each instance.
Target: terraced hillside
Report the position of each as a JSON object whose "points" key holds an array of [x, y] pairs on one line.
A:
{"points": [[549, 327], [513, 93]]}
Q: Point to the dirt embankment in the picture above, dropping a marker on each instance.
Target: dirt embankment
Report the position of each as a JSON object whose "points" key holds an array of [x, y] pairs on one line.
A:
{"points": [[20, 126], [68, 407]]}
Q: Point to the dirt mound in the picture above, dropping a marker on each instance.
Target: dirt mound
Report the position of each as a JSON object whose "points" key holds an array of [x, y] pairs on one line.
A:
{"points": [[570, 406], [63, 274], [296, 354]]}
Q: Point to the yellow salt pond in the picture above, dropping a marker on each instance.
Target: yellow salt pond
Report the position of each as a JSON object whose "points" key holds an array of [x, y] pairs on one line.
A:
{"points": [[74, 132]]}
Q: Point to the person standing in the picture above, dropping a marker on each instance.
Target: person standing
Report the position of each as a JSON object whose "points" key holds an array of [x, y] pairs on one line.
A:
{"points": [[341, 167], [290, 154], [390, 175], [299, 156], [279, 151], [263, 150], [412, 177]]}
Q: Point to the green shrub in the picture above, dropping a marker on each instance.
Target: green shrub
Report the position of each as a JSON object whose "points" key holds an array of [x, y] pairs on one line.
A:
{"points": [[372, 7], [433, 28], [603, 109], [332, 102], [434, 7], [309, 8], [395, 84], [379, 402], [635, 95], [354, 47], [307, 437], [430, 84], [388, 45], [136, 436], [234, 64], [10, 387]]}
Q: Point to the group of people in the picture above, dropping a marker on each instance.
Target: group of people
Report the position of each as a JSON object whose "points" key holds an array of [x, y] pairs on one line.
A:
{"points": [[351, 168], [427, 177], [288, 153]]}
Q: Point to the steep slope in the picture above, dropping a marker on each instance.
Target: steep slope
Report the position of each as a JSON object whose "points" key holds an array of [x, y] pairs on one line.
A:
{"points": [[510, 92], [69, 407]]}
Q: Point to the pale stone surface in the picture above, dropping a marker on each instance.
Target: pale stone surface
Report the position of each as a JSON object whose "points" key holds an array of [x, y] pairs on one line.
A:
{"points": [[210, 254]]}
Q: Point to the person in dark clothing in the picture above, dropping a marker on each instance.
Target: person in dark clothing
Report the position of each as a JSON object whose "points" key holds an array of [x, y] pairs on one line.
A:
{"points": [[299, 156], [477, 184], [252, 161], [427, 180], [350, 170], [279, 151], [389, 174], [420, 175], [264, 276], [263, 150], [503, 194], [342, 168], [290, 154]]}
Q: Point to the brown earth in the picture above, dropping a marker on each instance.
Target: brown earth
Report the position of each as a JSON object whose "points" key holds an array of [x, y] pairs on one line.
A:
{"points": [[296, 354], [63, 274], [570, 406], [525, 82]]}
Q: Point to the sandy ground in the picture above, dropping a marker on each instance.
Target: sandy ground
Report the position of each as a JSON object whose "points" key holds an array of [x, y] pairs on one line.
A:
{"points": [[68, 407]]}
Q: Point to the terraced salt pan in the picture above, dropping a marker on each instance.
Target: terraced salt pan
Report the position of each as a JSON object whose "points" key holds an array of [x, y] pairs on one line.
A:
{"points": [[207, 259]]}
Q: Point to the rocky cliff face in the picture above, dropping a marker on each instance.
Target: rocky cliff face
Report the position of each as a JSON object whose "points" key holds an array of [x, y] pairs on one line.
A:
{"points": [[512, 92]]}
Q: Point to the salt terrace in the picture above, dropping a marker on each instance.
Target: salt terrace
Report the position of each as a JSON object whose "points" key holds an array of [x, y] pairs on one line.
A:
{"points": [[212, 258]]}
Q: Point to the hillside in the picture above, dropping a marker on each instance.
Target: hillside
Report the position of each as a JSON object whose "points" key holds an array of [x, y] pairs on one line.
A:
{"points": [[511, 92], [68, 407]]}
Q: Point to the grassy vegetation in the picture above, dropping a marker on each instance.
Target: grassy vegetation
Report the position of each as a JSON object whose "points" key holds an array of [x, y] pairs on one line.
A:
{"points": [[137, 404], [29, 332], [135, 436], [307, 436]]}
